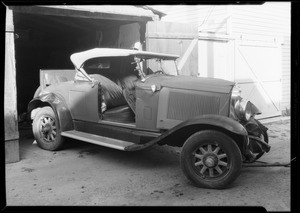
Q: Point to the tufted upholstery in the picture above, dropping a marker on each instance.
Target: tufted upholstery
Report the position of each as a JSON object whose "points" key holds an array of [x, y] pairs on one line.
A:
{"points": [[114, 106], [112, 93]]}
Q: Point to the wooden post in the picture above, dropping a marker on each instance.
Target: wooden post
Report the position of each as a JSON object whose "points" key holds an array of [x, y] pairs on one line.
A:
{"points": [[10, 94]]}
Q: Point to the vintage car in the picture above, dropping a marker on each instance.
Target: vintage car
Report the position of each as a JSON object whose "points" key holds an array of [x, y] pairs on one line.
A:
{"points": [[130, 100]]}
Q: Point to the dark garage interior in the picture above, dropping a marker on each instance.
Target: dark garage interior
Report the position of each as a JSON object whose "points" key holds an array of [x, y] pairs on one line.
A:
{"points": [[43, 37], [46, 42]]}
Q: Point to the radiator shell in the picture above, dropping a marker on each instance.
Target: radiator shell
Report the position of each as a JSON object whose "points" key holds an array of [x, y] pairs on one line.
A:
{"points": [[177, 105]]}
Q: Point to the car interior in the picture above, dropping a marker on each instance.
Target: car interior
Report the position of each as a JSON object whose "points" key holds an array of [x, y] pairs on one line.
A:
{"points": [[117, 78]]}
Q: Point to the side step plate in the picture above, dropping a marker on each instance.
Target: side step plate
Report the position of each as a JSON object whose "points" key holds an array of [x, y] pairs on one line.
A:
{"points": [[96, 139]]}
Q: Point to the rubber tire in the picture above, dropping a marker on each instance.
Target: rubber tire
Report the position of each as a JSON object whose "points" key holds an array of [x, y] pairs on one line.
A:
{"points": [[226, 143], [59, 140], [266, 139]]}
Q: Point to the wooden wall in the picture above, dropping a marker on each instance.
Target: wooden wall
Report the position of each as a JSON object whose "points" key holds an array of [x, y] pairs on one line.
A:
{"points": [[129, 34], [271, 20], [208, 18], [10, 94], [177, 39], [262, 22]]}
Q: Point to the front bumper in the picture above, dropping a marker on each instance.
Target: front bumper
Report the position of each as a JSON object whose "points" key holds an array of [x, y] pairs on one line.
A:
{"points": [[257, 140]]}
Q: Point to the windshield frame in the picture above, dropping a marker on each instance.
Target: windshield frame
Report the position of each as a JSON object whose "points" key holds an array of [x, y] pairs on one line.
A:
{"points": [[144, 60]]}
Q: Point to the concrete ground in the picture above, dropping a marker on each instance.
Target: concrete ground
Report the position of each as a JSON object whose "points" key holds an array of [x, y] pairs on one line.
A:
{"points": [[89, 175]]}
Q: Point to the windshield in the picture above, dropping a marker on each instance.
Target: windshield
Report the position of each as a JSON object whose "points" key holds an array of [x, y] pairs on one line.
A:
{"points": [[160, 65], [112, 67]]}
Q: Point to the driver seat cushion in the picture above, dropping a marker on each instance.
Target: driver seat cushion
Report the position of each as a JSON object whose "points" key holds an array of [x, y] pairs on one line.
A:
{"points": [[119, 114], [130, 97], [112, 93], [127, 81]]}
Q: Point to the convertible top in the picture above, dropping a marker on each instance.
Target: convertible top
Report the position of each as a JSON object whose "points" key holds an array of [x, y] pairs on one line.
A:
{"points": [[79, 58]]}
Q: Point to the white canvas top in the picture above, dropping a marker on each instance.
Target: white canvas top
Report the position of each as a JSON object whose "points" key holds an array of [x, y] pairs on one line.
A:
{"points": [[79, 58]]}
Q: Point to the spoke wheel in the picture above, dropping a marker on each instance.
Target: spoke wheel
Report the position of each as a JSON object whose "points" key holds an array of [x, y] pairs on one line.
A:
{"points": [[211, 159], [46, 129]]}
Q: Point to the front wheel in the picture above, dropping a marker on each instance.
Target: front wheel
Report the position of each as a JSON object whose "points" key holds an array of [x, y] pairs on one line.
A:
{"points": [[46, 130], [211, 159]]}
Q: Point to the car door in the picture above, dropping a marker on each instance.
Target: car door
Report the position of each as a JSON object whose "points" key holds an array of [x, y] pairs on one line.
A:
{"points": [[83, 101]]}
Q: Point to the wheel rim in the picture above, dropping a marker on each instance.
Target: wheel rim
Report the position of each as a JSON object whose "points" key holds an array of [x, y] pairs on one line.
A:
{"points": [[210, 161], [48, 129]]}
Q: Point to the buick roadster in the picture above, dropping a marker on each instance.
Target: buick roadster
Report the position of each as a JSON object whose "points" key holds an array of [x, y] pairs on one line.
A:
{"points": [[131, 100]]}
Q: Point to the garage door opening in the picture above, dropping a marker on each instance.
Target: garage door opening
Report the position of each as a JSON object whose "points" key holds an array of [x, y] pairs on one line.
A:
{"points": [[46, 42]]}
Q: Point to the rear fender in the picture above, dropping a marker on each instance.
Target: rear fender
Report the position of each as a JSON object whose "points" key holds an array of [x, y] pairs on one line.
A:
{"points": [[59, 107], [180, 133]]}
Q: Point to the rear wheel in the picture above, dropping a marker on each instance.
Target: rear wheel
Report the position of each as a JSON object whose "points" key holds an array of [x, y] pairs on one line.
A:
{"points": [[211, 159], [46, 129]]}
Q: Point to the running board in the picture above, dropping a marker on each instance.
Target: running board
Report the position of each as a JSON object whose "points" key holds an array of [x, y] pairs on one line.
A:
{"points": [[99, 140]]}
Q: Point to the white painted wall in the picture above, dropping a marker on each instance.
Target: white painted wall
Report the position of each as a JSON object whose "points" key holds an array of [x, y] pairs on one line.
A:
{"points": [[270, 21], [207, 18], [267, 23]]}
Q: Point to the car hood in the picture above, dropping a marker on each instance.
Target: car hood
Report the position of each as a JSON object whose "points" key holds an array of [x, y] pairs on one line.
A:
{"points": [[190, 83]]}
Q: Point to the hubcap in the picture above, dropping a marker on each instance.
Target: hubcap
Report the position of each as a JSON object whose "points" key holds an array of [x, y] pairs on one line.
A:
{"points": [[210, 160], [48, 128]]}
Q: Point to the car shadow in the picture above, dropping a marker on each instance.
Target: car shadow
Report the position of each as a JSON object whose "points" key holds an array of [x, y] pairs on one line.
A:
{"points": [[162, 156]]}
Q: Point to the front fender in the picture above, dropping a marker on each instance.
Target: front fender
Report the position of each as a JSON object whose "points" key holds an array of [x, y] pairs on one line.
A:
{"points": [[179, 134], [214, 120], [59, 107]]}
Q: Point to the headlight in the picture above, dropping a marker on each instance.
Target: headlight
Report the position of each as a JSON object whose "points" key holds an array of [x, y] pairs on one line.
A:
{"points": [[240, 110], [245, 109], [236, 91], [235, 95]]}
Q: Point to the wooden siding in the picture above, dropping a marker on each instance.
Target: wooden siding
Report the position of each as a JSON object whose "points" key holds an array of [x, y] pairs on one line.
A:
{"points": [[10, 93], [207, 18], [177, 39], [286, 73], [270, 21]]}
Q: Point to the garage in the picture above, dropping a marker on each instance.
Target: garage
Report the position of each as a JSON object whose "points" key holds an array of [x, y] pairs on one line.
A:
{"points": [[47, 41], [44, 37]]}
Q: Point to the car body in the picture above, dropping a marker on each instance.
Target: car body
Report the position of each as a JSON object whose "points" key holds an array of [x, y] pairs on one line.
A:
{"points": [[130, 100]]}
